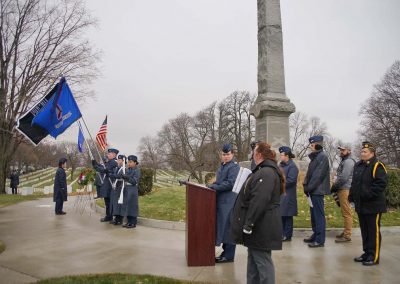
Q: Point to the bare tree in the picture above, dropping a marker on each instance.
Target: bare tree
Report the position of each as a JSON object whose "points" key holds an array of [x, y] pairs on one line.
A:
{"points": [[151, 155], [380, 114], [39, 41], [301, 129]]}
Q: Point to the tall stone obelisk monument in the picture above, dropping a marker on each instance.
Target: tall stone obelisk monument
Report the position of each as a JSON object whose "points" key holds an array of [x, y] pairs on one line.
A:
{"points": [[272, 107]]}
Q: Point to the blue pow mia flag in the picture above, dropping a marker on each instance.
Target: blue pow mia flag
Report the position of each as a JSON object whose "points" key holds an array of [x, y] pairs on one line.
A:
{"points": [[60, 111], [81, 139]]}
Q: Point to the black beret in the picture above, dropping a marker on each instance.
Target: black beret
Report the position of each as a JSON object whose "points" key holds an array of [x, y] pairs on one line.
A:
{"points": [[62, 160], [226, 148], [317, 138]]}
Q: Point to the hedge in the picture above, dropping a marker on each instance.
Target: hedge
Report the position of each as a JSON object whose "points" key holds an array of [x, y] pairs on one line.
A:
{"points": [[393, 188], [146, 181]]}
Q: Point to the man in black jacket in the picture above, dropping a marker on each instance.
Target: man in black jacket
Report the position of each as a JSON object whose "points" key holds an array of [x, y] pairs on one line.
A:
{"points": [[256, 218], [316, 186], [14, 181], [60, 187], [367, 193]]}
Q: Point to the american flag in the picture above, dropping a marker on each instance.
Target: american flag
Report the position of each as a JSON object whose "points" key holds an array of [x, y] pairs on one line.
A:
{"points": [[101, 136]]}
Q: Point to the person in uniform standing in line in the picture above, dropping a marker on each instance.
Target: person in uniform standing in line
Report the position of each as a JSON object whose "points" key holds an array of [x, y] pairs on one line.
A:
{"points": [[341, 186], [116, 209], [289, 199], [105, 189], [316, 186], [130, 207], [60, 187], [367, 191], [226, 177]]}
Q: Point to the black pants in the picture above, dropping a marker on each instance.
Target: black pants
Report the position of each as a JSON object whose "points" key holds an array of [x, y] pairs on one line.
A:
{"points": [[287, 226], [370, 225], [132, 220], [59, 206], [108, 209], [14, 190]]}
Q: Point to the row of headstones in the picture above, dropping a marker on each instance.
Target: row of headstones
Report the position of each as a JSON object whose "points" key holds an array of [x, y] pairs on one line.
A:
{"points": [[31, 190]]}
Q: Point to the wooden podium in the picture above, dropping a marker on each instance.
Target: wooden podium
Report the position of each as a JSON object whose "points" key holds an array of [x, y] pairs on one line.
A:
{"points": [[200, 225]]}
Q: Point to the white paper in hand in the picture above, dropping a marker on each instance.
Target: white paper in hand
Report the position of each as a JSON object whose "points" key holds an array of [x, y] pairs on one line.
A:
{"points": [[309, 201], [240, 180]]}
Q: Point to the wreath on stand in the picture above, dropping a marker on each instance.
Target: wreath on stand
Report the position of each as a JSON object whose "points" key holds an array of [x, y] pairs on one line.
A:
{"points": [[86, 177]]}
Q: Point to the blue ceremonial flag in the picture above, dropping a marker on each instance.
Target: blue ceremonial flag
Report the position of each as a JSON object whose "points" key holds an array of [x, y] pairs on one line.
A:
{"points": [[60, 111], [81, 139]]}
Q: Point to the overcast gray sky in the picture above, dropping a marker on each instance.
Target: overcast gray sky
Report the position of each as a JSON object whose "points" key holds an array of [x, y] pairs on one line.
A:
{"points": [[164, 57]]}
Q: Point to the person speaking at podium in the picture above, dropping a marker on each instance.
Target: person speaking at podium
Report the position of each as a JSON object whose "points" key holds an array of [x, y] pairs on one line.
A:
{"points": [[226, 177]]}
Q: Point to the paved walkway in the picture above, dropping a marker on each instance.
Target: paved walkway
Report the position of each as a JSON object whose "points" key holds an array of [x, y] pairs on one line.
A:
{"points": [[42, 245]]}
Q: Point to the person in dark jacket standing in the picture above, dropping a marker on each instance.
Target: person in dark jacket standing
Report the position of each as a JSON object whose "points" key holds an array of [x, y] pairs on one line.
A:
{"points": [[60, 187], [367, 193], [14, 181], [316, 186], [130, 207], [116, 208], [226, 177], [256, 217], [105, 189], [289, 199], [341, 186]]}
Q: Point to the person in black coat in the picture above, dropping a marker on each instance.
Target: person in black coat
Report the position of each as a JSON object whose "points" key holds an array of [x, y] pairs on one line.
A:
{"points": [[256, 219], [367, 193], [289, 199], [14, 181], [60, 187], [316, 185], [106, 187]]}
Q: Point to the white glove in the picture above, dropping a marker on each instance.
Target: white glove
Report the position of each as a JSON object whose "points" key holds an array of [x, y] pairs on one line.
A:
{"points": [[247, 232]]}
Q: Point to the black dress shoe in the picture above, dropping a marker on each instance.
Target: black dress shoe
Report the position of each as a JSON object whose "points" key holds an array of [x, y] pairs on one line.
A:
{"points": [[218, 258], [223, 259], [315, 245], [286, 239], [116, 223], [63, 213], [130, 226], [309, 240], [370, 262], [361, 258], [105, 219]]}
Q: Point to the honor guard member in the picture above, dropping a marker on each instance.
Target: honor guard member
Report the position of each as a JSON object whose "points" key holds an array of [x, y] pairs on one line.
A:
{"points": [[116, 209], [130, 207], [105, 171], [288, 200], [226, 177], [60, 187], [367, 193], [316, 186], [341, 187]]}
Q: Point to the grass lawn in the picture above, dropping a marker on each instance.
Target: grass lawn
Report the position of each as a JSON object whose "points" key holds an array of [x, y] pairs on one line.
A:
{"points": [[10, 199], [169, 204], [115, 278]]}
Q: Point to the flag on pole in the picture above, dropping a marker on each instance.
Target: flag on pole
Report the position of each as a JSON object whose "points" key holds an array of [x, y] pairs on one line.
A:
{"points": [[81, 139], [60, 111], [101, 136]]}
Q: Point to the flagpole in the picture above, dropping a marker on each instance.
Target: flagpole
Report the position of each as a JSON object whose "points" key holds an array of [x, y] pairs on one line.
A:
{"points": [[97, 149], [87, 144]]}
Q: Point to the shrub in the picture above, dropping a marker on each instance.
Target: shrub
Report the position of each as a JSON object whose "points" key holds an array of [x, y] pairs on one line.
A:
{"points": [[146, 181], [393, 188]]}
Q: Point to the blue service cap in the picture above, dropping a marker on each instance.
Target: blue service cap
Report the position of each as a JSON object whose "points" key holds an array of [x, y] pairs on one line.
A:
{"points": [[121, 157], [132, 158], [112, 150], [285, 149], [317, 138], [226, 148]]}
